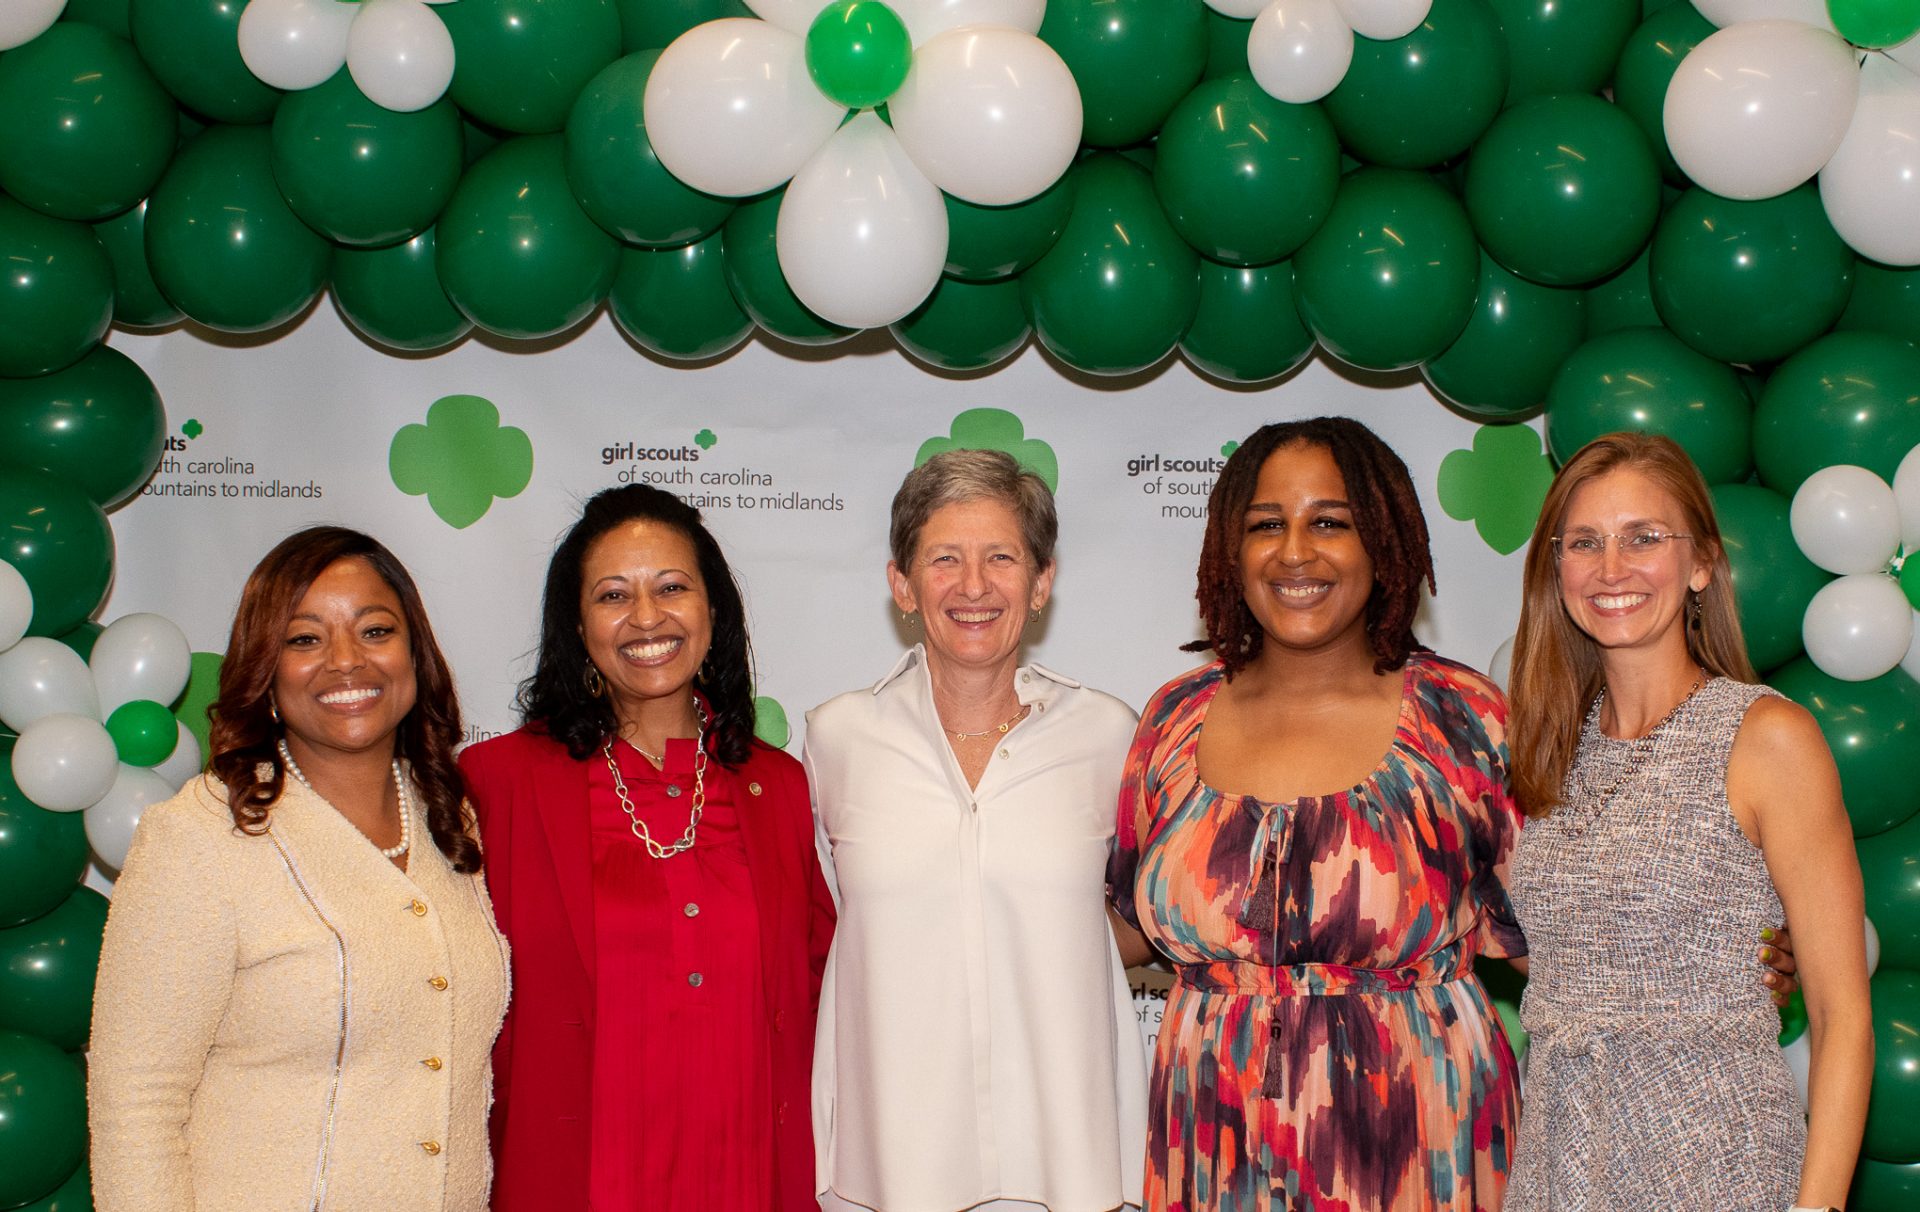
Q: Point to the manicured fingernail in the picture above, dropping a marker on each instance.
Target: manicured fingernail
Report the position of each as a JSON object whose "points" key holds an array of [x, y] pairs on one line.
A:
{"points": [[1766, 934], [1766, 953], [1771, 979]]}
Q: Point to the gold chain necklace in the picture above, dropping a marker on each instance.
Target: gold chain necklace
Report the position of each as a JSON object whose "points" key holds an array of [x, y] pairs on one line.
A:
{"points": [[639, 826], [1001, 728]]}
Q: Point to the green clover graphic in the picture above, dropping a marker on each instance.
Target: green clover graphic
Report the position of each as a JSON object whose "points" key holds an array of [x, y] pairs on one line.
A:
{"points": [[770, 722], [996, 429], [192, 429], [461, 459], [705, 439], [1227, 449], [1498, 485]]}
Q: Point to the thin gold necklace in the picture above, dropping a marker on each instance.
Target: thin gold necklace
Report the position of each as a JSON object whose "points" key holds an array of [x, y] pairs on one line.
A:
{"points": [[1002, 727]]}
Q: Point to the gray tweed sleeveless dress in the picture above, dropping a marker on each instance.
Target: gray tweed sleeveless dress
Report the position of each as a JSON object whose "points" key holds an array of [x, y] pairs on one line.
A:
{"points": [[1653, 1077]]}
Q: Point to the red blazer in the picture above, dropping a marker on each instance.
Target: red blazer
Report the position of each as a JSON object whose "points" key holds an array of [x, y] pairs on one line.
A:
{"points": [[532, 803]]}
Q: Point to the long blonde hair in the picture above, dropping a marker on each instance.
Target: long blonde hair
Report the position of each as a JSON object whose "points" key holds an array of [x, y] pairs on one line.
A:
{"points": [[1556, 666]]}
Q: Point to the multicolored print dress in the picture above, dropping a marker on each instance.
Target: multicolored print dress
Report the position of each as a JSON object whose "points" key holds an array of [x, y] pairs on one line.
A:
{"points": [[1326, 1046]]}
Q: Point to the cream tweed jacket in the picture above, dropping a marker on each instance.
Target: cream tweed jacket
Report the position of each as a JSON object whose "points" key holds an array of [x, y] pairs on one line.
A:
{"points": [[289, 1021]]}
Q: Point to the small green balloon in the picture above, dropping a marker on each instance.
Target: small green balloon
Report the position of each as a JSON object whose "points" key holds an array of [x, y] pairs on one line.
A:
{"points": [[1772, 580], [47, 967], [1504, 987], [1389, 279], [137, 302], [74, 1195], [1563, 190], [1647, 63], [1226, 45], [43, 855], [203, 688], [1647, 380], [758, 285], [43, 1118], [858, 52], [1910, 580], [1893, 1130], [1793, 1019], [1870, 728], [393, 297], [1890, 878], [1504, 361], [654, 24], [519, 64], [144, 732], [98, 425], [56, 296], [1624, 298], [109, 15], [966, 326], [675, 302], [193, 47], [1557, 47], [616, 176], [1415, 101], [1885, 299], [1248, 327], [1243, 177], [1850, 397], [1875, 24], [58, 539], [359, 173], [985, 243], [1133, 61]]}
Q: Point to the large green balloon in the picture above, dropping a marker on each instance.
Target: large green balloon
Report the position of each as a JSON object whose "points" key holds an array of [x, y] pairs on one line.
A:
{"points": [[224, 246], [1750, 281], [615, 174], [43, 1118], [1647, 63], [1850, 397], [758, 285], [1245, 178], [518, 64], [1133, 61], [858, 52], [1114, 295], [516, 252], [965, 326], [1893, 1130], [1503, 362], [98, 425], [1248, 328], [1875, 23], [1563, 190], [109, 15], [1624, 298], [59, 541], [1556, 47], [393, 297], [1648, 381], [193, 46], [1890, 874], [1389, 279], [654, 24], [88, 129], [675, 302], [1884, 1187], [56, 295], [43, 855], [1873, 728], [1418, 100], [360, 173], [1885, 299], [1772, 579], [989, 242], [137, 302], [47, 967], [74, 1195], [1226, 45]]}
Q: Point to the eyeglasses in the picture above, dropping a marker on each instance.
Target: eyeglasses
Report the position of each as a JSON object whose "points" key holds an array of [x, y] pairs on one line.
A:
{"points": [[1636, 546]]}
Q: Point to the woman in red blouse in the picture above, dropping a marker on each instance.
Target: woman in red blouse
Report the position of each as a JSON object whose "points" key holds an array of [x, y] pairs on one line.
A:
{"points": [[653, 866]]}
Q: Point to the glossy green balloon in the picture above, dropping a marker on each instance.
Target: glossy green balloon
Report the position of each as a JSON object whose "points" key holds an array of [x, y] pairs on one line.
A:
{"points": [[47, 967], [1243, 177], [1885, 299], [516, 252], [654, 24], [362, 174], [615, 174], [1114, 295], [43, 855], [88, 129], [1890, 876], [1133, 61], [1884, 1187], [1750, 281], [1910, 580], [675, 302], [193, 47], [223, 245], [97, 425], [144, 732], [1873, 728], [1893, 1130], [1850, 397], [1503, 362], [1647, 380], [109, 15], [1624, 298], [1647, 63], [74, 1195], [137, 302], [1418, 100], [858, 52], [59, 541], [393, 297], [965, 326], [1556, 47], [1875, 23], [1226, 45], [43, 1118], [989, 242], [1772, 580], [758, 285], [1389, 279], [1248, 328], [519, 64], [56, 296], [1563, 190]]}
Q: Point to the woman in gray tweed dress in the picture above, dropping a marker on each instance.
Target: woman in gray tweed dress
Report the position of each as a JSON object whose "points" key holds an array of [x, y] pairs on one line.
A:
{"points": [[1675, 803]]}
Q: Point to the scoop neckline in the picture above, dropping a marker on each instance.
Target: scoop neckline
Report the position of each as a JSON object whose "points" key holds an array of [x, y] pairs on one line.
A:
{"points": [[1682, 708]]}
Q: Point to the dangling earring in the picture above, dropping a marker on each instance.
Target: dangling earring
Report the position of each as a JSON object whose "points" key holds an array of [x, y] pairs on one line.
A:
{"points": [[591, 679], [273, 708], [1033, 616], [1693, 610], [911, 619]]}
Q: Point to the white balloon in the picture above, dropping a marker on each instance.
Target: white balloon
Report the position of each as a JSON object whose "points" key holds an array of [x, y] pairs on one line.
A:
{"points": [[1299, 50], [862, 235], [1858, 627], [1871, 185], [927, 19], [1384, 20], [21, 21], [140, 656], [1240, 9], [295, 44], [400, 54], [64, 763], [1906, 494], [1846, 520], [991, 116], [1757, 108], [1731, 12], [730, 108], [111, 820], [184, 762], [16, 606], [41, 677], [794, 16], [1873, 947], [1799, 1056], [1500, 668]]}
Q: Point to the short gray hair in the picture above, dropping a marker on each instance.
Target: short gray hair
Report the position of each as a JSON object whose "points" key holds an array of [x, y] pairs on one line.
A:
{"points": [[957, 476]]}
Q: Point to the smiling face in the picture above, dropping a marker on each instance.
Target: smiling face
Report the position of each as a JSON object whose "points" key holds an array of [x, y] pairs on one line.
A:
{"points": [[345, 677], [1623, 599], [974, 581], [1304, 570], [644, 615]]}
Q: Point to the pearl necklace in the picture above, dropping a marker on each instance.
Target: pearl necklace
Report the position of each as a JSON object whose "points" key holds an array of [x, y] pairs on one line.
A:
{"points": [[399, 786]]}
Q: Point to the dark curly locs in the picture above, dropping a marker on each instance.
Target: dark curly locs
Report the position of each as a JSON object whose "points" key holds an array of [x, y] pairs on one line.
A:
{"points": [[555, 699], [1386, 513]]}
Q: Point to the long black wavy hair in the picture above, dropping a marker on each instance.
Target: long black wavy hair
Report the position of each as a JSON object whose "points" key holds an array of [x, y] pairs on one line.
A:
{"points": [[555, 699]]}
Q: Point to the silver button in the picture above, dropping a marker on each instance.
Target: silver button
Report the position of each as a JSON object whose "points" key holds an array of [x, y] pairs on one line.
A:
{"points": [[694, 979], [1026, 677], [1039, 706], [673, 789], [692, 910]]}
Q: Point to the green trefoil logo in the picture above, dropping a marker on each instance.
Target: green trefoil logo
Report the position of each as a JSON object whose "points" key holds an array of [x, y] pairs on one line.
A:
{"points": [[461, 459]]}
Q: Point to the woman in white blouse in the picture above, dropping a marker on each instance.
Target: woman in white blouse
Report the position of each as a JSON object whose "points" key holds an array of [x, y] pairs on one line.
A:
{"points": [[977, 1044]]}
